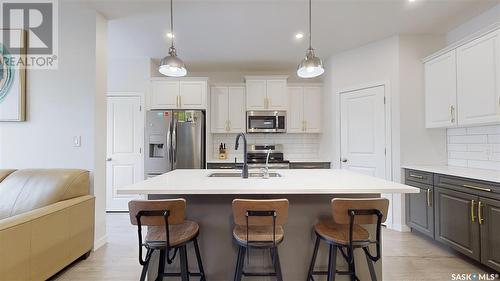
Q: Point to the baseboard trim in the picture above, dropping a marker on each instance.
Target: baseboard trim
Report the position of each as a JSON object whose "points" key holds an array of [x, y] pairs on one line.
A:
{"points": [[100, 242], [401, 227]]}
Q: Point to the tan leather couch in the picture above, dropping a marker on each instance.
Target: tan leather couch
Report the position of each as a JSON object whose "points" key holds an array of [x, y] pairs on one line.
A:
{"points": [[46, 221]]}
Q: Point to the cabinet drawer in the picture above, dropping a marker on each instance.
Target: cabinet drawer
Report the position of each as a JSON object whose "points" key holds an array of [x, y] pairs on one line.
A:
{"points": [[221, 166], [310, 165], [418, 176], [467, 185]]}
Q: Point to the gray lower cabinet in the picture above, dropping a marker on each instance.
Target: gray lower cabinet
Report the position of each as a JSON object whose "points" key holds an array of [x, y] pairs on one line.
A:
{"points": [[221, 166], [420, 210], [489, 216], [456, 221], [310, 165]]}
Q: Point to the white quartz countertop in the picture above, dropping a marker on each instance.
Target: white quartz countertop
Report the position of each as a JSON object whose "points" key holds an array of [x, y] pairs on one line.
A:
{"points": [[478, 174], [192, 182]]}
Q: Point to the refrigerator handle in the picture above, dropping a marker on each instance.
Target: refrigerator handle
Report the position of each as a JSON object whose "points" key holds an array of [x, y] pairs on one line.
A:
{"points": [[174, 143], [169, 145]]}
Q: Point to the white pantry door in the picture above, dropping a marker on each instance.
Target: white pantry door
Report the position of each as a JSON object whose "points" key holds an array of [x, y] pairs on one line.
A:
{"points": [[125, 138], [362, 133]]}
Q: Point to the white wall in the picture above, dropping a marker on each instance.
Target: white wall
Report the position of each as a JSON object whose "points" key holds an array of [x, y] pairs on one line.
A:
{"points": [[63, 103], [484, 20]]}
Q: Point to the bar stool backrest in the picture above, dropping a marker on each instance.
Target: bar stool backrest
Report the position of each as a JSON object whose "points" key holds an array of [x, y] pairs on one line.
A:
{"points": [[341, 207], [175, 207], [242, 206]]}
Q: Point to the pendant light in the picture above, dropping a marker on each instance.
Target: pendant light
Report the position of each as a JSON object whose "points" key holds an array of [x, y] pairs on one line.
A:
{"points": [[311, 66], [172, 65]]}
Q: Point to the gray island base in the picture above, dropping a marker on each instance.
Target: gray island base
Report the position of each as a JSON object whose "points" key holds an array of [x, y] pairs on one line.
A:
{"points": [[219, 253]]}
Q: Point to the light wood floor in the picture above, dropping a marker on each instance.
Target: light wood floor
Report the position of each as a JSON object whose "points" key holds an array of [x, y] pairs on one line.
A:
{"points": [[407, 257]]}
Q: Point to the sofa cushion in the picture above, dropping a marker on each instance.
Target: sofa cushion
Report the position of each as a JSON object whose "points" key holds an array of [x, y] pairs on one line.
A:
{"points": [[26, 190], [5, 173]]}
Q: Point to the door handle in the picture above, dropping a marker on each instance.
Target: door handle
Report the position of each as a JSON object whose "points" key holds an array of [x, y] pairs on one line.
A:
{"points": [[109, 159], [344, 160], [429, 200], [416, 176], [472, 215], [480, 212], [452, 113]]}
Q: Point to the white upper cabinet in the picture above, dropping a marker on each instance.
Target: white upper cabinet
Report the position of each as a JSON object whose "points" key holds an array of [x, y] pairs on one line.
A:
{"points": [[478, 80], [178, 94], [462, 86], [441, 91], [227, 109], [266, 93], [193, 94], [237, 113], [256, 94], [313, 109], [277, 98], [164, 94], [305, 109]]}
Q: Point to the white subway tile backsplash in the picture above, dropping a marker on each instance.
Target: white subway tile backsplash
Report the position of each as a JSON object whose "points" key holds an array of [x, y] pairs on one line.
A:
{"points": [[474, 147], [295, 146], [468, 139]]}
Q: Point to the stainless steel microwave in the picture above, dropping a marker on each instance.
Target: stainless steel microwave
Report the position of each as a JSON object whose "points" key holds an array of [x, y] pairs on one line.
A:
{"points": [[266, 121]]}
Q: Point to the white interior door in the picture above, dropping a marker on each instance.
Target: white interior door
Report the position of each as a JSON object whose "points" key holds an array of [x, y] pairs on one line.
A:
{"points": [[125, 139], [363, 132]]}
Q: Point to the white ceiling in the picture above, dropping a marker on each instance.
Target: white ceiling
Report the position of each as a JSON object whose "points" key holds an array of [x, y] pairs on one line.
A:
{"points": [[253, 34]]}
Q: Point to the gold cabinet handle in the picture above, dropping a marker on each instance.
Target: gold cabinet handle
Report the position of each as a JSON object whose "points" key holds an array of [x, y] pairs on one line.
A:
{"points": [[476, 187], [472, 215], [226, 126], [180, 101], [429, 201], [452, 113], [480, 212], [177, 101], [229, 125], [416, 176]]}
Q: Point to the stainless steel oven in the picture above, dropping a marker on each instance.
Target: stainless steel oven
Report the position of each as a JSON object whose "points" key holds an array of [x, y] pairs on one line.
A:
{"points": [[266, 121]]}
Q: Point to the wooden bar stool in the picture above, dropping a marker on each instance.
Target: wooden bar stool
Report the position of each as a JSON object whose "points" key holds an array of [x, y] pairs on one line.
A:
{"points": [[345, 233], [168, 232], [259, 224]]}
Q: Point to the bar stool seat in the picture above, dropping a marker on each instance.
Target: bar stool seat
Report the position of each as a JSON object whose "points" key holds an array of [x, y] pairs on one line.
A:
{"points": [[179, 234], [258, 233], [339, 233]]}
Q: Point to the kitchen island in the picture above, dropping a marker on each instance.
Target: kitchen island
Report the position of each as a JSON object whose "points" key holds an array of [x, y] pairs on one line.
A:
{"points": [[309, 192]]}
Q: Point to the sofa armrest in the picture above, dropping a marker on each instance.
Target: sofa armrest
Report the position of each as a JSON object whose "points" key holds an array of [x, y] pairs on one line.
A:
{"points": [[40, 212]]}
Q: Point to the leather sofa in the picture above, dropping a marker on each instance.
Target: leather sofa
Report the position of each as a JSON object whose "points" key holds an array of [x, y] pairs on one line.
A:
{"points": [[46, 221]]}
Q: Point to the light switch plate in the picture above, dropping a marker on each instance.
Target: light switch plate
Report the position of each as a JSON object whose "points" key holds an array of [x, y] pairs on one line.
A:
{"points": [[77, 141]]}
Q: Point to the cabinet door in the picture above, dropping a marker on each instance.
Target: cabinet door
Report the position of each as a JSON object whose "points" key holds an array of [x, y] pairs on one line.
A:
{"points": [[490, 233], [456, 221], [277, 98], [164, 94], [441, 91], [219, 109], [193, 94], [295, 114], [256, 94], [478, 72], [236, 110], [420, 209], [313, 109]]}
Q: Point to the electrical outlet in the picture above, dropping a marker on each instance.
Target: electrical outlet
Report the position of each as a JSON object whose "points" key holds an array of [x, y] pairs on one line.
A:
{"points": [[77, 141]]}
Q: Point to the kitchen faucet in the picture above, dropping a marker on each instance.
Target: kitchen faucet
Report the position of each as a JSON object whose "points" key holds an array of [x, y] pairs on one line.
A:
{"points": [[244, 171], [265, 170]]}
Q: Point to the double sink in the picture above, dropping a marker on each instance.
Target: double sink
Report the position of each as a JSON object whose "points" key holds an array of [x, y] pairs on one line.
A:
{"points": [[238, 175]]}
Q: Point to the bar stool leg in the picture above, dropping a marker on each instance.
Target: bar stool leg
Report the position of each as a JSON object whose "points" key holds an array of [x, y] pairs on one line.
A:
{"points": [[198, 257], [184, 264], [313, 260], [373, 275], [146, 265], [240, 263], [161, 266], [277, 265], [332, 263]]}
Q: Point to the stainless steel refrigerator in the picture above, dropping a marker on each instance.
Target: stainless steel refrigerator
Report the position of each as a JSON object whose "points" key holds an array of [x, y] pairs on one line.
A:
{"points": [[175, 139]]}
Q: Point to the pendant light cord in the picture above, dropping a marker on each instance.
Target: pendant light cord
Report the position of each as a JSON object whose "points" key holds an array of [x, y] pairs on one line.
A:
{"points": [[172, 22], [310, 24]]}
